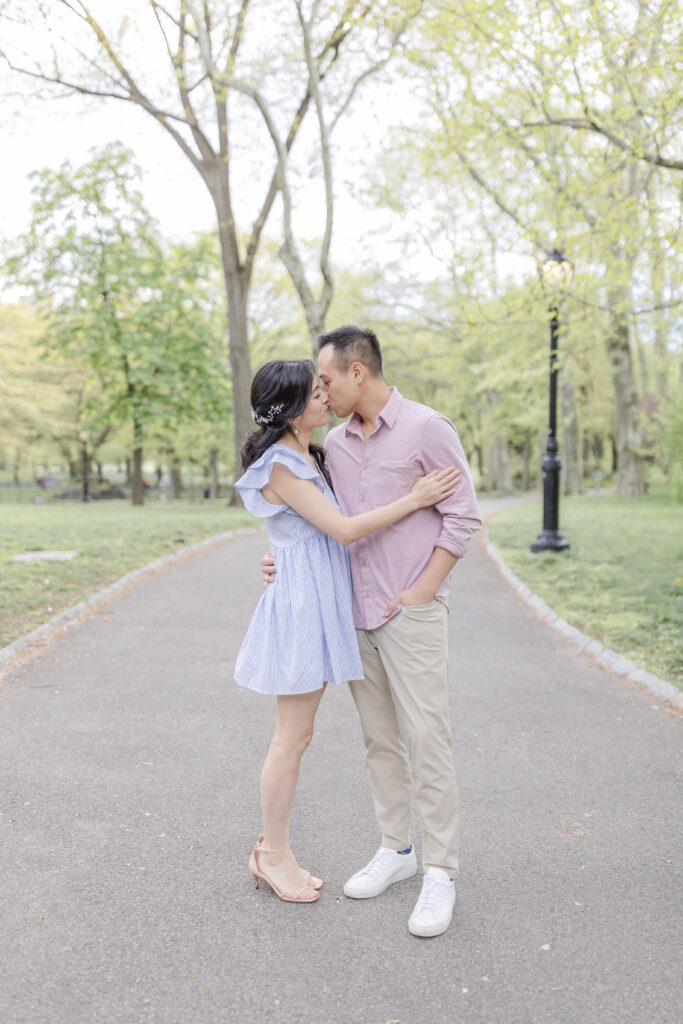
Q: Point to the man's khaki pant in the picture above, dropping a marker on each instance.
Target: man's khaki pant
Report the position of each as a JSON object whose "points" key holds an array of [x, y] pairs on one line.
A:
{"points": [[403, 708]]}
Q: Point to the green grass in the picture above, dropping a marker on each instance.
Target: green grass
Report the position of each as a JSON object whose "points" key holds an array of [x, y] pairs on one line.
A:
{"points": [[111, 538], [621, 580]]}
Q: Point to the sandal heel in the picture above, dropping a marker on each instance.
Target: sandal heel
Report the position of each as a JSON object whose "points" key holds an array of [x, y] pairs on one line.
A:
{"points": [[299, 894]]}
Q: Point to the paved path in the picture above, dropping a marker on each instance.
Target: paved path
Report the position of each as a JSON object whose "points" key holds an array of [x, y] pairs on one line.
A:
{"points": [[130, 800]]}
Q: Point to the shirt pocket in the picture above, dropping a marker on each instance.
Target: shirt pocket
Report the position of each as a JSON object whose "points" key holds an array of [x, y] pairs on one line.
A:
{"points": [[391, 480]]}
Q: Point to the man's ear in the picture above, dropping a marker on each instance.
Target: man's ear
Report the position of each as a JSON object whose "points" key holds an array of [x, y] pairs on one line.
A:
{"points": [[359, 372]]}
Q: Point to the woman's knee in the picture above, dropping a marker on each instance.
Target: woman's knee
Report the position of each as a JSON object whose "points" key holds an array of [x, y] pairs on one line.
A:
{"points": [[292, 742]]}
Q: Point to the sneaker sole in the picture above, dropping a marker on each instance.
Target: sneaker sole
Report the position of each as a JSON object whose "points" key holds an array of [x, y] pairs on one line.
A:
{"points": [[367, 894], [428, 931]]}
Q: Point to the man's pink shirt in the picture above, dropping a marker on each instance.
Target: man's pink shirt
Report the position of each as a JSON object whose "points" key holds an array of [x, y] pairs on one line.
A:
{"points": [[409, 441]]}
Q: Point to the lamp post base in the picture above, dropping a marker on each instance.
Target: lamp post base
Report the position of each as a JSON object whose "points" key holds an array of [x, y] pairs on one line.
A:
{"points": [[549, 540]]}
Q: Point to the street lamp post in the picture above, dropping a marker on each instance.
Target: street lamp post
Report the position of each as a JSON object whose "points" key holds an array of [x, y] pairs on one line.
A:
{"points": [[556, 275]]}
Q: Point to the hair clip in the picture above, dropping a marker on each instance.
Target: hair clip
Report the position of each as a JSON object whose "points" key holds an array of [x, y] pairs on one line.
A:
{"points": [[274, 411]]}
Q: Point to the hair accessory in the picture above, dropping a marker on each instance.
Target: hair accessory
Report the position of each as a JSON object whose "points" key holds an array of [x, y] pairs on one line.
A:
{"points": [[274, 411]]}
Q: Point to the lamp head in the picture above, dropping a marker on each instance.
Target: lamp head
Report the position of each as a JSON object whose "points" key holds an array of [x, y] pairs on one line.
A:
{"points": [[555, 272]]}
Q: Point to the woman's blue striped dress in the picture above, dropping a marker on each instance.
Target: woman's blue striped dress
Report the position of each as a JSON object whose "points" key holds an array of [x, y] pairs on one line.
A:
{"points": [[301, 634]]}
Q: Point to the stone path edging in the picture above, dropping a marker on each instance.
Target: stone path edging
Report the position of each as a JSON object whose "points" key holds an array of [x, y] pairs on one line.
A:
{"points": [[42, 635], [603, 655]]}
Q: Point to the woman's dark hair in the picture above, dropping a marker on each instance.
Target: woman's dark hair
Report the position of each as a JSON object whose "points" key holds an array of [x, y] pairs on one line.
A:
{"points": [[280, 392]]}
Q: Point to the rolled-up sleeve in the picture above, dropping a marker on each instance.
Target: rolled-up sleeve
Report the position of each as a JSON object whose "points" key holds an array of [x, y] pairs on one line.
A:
{"points": [[460, 515]]}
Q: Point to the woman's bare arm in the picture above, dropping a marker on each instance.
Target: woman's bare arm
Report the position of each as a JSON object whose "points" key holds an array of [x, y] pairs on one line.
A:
{"points": [[305, 498]]}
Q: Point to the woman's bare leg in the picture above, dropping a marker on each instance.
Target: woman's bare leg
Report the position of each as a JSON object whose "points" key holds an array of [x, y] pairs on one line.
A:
{"points": [[293, 733]]}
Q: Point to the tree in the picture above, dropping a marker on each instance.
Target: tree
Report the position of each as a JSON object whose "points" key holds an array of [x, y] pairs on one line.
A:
{"points": [[140, 318], [41, 398], [558, 121], [222, 80]]}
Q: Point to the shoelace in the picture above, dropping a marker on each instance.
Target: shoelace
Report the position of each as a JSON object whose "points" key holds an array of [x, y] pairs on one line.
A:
{"points": [[433, 890], [377, 862]]}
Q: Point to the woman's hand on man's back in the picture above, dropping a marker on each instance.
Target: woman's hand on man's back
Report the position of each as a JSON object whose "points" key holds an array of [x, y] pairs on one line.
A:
{"points": [[268, 568]]}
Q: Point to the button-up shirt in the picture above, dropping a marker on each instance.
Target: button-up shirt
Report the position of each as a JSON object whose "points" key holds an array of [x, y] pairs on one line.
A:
{"points": [[408, 441]]}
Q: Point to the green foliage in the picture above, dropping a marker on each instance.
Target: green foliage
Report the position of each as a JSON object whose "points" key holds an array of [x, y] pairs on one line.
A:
{"points": [[621, 579], [552, 124], [144, 320], [672, 442], [41, 399]]}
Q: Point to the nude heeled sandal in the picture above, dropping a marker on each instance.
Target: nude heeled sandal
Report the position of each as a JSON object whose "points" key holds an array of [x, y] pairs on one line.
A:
{"points": [[297, 894], [309, 879]]}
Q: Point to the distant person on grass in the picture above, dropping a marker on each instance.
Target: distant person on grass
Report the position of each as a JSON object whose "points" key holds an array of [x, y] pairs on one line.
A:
{"points": [[302, 635]]}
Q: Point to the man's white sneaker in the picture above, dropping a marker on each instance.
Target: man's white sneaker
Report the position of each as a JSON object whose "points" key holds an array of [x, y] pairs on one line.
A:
{"points": [[385, 868], [434, 908]]}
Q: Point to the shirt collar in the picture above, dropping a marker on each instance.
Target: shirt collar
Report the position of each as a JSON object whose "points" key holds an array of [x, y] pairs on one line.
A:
{"points": [[388, 415]]}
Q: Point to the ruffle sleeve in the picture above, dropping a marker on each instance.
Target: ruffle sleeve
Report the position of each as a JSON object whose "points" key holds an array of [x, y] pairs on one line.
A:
{"points": [[258, 475]]}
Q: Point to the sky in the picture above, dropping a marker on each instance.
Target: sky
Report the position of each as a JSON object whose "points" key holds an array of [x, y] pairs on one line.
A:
{"points": [[36, 134], [44, 133]]}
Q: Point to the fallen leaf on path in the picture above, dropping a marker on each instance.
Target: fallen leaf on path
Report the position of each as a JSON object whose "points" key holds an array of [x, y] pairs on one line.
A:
{"points": [[541, 948], [484, 978], [575, 830]]}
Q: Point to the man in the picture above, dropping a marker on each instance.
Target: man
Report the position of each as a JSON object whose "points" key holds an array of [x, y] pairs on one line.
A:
{"points": [[400, 591]]}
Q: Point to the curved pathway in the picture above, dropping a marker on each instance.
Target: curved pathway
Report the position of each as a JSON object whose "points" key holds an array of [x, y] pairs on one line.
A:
{"points": [[130, 800]]}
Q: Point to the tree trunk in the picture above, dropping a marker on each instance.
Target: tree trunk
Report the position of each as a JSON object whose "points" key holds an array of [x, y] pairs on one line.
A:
{"points": [[138, 484], [85, 474], [586, 454], [526, 460], [572, 470], [237, 291], [662, 316], [661, 358], [499, 477], [631, 464], [175, 474], [480, 460], [643, 368], [213, 473], [129, 471]]}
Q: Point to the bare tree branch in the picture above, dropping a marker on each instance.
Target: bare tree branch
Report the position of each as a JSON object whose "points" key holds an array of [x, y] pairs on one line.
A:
{"points": [[500, 203], [315, 310], [593, 126], [332, 44]]}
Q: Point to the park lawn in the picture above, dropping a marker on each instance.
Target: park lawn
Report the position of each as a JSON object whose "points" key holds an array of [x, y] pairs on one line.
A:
{"points": [[620, 581], [111, 538]]}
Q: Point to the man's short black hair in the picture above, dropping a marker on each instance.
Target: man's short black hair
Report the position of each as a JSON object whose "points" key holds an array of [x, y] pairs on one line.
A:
{"points": [[354, 344]]}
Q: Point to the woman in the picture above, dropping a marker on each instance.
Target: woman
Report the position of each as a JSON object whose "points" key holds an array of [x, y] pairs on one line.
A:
{"points": [[301, 635]]}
